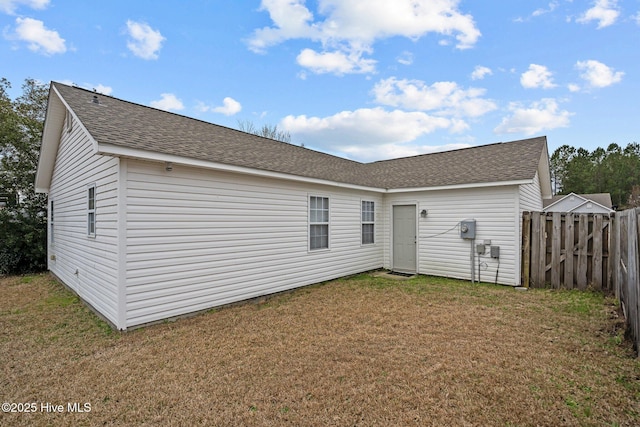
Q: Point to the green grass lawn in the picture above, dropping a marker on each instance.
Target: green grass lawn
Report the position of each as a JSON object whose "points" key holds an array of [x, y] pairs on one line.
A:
{"points": [[363, 351]]}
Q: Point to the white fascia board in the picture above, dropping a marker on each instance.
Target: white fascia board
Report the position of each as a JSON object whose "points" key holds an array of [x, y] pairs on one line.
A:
{"points": [[116, 150], [459, 186], [544, 174], [53, 123], [594, 203]]}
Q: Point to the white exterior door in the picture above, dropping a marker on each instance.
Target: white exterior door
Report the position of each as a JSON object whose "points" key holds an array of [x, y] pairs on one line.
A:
{"points": [[404, 238]]}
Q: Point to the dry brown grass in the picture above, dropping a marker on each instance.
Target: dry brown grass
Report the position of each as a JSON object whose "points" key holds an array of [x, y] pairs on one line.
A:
{"points": [[360, 351]]}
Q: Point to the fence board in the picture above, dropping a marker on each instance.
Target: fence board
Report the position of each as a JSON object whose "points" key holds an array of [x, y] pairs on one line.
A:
{"points": [[633, 318], [526, 248], [597, 252], [583, 231], [556, 247], [569, 241], [535, 249]]}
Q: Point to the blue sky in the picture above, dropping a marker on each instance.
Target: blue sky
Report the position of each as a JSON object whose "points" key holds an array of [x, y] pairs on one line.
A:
{"points": [[363, 79]]}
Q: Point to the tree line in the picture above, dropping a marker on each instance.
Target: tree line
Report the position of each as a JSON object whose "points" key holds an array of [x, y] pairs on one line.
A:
{"points": [[615, 170], [23, 214]]}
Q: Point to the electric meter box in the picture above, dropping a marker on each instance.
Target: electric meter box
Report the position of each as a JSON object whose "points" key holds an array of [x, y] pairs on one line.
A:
{"points": [[468, 229], [495, 251]]}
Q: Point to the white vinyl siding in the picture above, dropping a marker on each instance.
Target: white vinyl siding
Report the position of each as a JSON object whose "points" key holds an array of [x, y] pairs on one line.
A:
{"points": [[368, 222], [441, 250], [531, 196], [198, 238], [88, 266]]}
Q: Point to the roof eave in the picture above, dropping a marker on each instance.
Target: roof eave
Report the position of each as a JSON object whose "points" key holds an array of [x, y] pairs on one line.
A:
{"points": [[544, 173], [127, 152], [54, 120], [460, 186]]}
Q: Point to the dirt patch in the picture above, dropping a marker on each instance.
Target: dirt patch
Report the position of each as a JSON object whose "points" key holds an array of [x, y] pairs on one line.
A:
{"points": [[362, 351]]}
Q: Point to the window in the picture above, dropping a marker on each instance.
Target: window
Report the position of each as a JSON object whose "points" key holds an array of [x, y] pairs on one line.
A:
{"points": [[368, 222], [51, 221], [318, 222], [91, 210]]}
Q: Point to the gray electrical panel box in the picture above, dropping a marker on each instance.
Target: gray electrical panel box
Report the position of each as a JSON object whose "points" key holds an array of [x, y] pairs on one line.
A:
{"points": [[480, 249], [495, 251], [468, 229]]}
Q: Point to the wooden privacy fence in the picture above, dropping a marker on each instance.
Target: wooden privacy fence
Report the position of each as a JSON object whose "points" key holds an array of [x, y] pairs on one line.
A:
{"points": [[625, 242], [585, 251], [566, 251]]}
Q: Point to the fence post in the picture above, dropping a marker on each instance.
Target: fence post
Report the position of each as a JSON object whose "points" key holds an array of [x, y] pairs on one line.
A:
{"points": [[556, 245], [535, 249], [526, 248], [583, 244], [615, 256], [569, 243], [632, 277], [597, 252]]}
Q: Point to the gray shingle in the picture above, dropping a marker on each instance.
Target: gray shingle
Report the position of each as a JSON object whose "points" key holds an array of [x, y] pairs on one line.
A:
{"points": [[122, 123]]}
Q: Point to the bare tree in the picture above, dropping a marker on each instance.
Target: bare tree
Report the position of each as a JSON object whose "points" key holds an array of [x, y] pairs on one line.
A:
{"points": [[267, 131]]}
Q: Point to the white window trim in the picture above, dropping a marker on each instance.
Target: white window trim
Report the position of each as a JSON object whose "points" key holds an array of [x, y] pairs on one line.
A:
{"points": [[362, 222], [309, 223], [91, 213]]}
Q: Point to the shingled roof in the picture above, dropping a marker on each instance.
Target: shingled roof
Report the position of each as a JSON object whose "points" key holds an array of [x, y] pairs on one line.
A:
{"points": [[125, 124]]}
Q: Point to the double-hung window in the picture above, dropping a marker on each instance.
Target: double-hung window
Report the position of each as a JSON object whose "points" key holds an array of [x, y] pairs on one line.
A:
{"points": [[91, 210], [368, 222], [318, 222]]}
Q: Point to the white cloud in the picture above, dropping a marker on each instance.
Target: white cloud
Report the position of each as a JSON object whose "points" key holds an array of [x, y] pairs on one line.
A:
{"points": [[573, 87], [100, 88], [39, 38], [606, 12], [597, 74], [551, 7], [168, 102], [636, 18], [291, 20], [10, 6], [335, 62], [369, 127], [229, 107], [365, 153], [105, 90], [538, 76], [144, 42], [445, 98], [480, 72], [353, 26], [537, 117], [406, 58]]}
